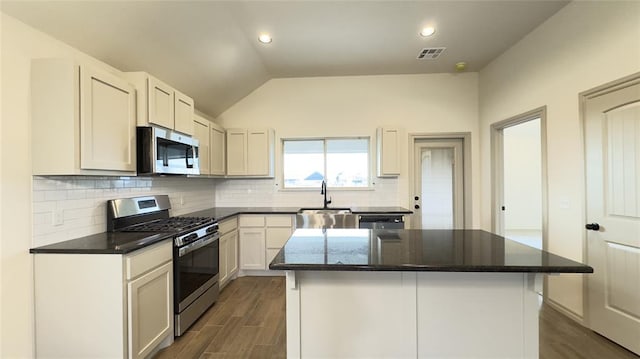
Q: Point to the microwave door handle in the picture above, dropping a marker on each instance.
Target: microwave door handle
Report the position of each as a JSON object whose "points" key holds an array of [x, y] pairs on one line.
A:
{"points": [[189, 149], [165, 157]]}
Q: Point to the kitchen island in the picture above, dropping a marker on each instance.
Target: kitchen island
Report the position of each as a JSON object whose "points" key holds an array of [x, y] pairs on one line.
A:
{"points": [[358, 293]]}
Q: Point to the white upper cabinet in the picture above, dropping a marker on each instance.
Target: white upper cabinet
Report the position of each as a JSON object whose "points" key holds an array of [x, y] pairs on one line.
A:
{"points": [[218, 150], [83, 120], [236, 152], [201, 132], [388, 152], [160, 104], [250, 152], [183, 106]]}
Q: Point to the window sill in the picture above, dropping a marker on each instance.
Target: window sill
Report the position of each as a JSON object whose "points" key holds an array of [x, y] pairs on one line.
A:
{"points": [[330, 189]]}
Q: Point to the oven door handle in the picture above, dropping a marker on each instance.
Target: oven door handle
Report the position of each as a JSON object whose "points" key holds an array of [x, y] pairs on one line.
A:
{"points": [[197, 244]]}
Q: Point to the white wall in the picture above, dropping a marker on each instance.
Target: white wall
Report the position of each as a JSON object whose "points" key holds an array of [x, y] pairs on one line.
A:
{"points": [[523, 176], [584, 45], [23, 198], [356, 106]]}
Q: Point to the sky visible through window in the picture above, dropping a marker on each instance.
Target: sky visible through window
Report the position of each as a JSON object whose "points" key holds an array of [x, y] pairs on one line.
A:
{"points": [[347, 163]]}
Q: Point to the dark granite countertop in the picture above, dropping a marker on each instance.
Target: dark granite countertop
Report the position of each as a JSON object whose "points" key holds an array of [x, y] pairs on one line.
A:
{"points": [[221, 213], [105, 243], [125, 242], [415, 250]]}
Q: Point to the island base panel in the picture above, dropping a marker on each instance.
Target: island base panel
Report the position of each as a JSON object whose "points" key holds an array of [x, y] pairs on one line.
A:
{"points": [[332, 314]]}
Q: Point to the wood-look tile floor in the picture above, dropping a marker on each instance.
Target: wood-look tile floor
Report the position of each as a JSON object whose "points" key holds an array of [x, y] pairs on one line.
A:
{"points": [[248, 321]]}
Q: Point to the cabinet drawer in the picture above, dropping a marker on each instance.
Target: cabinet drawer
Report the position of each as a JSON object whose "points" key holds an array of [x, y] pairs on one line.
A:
{"points": [[277, 237], [228, 225], [279, 221], [251, 221], [145, 259]]}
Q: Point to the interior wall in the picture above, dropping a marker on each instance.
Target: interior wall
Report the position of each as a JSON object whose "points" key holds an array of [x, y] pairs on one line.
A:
{"points": [[356, 106], [523, 176], [81, 199], [584, 45]]}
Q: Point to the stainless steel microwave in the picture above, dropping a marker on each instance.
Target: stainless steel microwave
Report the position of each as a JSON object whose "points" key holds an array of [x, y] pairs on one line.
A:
{"points": [[161, 151]]}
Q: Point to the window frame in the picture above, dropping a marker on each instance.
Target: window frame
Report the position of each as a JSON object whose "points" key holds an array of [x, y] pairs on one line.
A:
{"points": [[370, 159]]}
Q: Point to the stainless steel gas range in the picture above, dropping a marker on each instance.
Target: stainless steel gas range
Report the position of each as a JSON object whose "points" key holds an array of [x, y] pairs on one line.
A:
{"points": [[195, 251]]}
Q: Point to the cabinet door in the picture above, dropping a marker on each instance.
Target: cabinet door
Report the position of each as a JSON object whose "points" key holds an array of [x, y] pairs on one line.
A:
{"points": [[223, 273], [277, 237], [201, 133], [160, 103], [271, 253], [252, 248], [388, 152], [150, 310], [232, 251], [183, 113], [258, 152], [218, 150], [107, 122], [236, 152]]}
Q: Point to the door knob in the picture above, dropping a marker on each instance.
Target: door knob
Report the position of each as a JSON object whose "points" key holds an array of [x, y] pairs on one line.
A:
{"points": [[592, 226], [416, 198], [417, 206]]}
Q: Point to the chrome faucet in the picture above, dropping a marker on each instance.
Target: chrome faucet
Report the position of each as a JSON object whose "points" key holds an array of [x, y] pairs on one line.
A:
{"points": [[323, 191]]}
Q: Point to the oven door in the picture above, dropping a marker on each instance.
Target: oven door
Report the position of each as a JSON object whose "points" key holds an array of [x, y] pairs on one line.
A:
{"points": [[195, 270]]}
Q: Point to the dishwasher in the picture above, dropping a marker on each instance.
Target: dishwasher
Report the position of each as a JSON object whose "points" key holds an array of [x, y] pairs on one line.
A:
{"points": [[381, 221]]}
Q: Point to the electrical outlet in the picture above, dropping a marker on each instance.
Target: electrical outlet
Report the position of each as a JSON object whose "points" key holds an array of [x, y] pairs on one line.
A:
{"points": [[57, 217]]}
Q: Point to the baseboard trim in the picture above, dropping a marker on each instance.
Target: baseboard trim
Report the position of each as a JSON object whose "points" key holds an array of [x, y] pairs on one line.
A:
{"points": [[566, 311]]}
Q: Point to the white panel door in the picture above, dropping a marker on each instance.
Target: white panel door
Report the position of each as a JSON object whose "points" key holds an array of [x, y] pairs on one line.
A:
{"points": [[612, 135], [108, 122], [232, 251], [252, 248], [236, 152], [183, 106], [222, 259], [201, 133], [439, 189], [160, 103], [218, 150], [150, 310], [258, 152]]}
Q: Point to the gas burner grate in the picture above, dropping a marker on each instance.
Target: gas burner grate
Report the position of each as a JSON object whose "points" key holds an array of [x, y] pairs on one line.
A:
{"points": [[173, 224]]}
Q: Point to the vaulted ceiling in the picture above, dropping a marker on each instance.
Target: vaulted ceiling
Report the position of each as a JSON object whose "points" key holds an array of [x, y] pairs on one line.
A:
{"points": [[209, 49]]}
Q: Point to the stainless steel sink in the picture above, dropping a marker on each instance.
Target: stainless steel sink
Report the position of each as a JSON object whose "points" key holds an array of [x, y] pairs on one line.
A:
{"points": [[326, 218], [324, 211]]}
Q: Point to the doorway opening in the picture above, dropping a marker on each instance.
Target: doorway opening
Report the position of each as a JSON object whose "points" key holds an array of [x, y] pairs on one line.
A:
{"points": [[519, 178], [440, 187]]}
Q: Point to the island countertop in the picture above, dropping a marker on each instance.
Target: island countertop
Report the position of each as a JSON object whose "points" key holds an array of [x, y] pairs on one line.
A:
{"points": [[415, 250]]}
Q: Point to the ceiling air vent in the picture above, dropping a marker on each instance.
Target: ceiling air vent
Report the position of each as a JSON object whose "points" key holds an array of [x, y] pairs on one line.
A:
{"points": [[430, 53]]}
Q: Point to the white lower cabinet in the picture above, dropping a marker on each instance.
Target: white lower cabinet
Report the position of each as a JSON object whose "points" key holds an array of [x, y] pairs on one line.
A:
{"points": [[104, 305], [228, 260], [252, 248], [261, 238]]}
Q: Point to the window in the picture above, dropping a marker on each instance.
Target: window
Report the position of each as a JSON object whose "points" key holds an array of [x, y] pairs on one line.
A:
{"points": [[341, 162]]}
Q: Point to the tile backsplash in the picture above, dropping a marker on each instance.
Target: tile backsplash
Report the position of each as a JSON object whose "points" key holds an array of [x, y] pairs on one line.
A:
{"points": [[67, 207], [267, 193]]}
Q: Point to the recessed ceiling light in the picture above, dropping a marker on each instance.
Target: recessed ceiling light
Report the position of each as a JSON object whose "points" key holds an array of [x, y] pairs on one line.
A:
{"points": [[427, 31], [265, 38]]}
